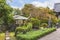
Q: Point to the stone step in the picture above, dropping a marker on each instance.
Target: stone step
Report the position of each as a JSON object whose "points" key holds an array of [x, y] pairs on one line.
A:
{"points": [[7, 38]]}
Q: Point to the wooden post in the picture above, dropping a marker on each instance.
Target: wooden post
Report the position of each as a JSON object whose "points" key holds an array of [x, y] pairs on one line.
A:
{"points": [[49, 22]]}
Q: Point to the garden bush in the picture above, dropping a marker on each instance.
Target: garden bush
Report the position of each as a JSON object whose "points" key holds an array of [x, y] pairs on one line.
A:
{"points": [[29, 26], [34, 35], [35, 22], [21, 29], [25, 28], [44, 25]]}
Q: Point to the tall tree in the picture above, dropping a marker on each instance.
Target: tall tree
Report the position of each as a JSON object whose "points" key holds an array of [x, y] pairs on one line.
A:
{"points": [[5, 10], [39, 13], [17, 11], [27, 10]]}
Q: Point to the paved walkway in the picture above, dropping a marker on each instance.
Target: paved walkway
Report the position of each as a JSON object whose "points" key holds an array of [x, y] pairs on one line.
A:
{"points": [[53, 36]]}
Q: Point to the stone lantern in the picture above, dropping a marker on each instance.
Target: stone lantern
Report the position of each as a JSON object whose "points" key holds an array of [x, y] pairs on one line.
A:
{"points": [[19, 19]]}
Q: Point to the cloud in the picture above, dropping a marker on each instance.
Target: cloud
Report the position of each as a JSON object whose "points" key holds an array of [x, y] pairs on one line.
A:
{"points": [[52, 2], [17, 7], [20, 3], [39, 4], [16, 4], [49, 3]]}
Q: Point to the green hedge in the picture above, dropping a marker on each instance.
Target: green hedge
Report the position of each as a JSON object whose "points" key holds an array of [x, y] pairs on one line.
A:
{"points": [[34, 35]]}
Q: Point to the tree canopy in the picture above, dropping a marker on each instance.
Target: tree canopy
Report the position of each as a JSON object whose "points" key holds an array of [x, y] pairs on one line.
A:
{"points": [[39, 13], [5, 10]]}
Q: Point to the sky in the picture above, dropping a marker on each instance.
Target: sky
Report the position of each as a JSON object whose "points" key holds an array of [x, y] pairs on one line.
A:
{"points": [[38, 3]]}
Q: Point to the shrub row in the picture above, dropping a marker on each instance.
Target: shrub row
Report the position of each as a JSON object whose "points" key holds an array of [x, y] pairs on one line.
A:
{"points": [[34, 35]]}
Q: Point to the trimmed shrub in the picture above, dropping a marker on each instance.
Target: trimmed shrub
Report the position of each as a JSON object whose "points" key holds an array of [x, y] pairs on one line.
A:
{"points": [[35, 22], [24, 29], [44, 25], [21, 29], [29, 26], [34, 35]]}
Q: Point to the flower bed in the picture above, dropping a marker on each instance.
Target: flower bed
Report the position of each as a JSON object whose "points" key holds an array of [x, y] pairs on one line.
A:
{"points": [[34, 35]]}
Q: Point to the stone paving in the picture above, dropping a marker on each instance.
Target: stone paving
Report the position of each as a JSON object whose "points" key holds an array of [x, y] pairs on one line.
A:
{"points": [[53, 36], [7, 36]]}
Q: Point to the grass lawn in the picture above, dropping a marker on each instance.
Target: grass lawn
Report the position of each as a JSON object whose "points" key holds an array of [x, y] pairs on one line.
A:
{"points": [[2, 36], [12, 36]]}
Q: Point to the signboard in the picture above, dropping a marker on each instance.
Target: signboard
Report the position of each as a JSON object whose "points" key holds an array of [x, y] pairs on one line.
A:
{"points": [[57, 7]]}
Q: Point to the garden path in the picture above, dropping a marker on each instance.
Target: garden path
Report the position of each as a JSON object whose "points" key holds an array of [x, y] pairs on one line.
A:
{"points": [[53, 36], [7, 36]]}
